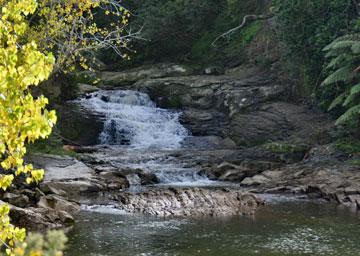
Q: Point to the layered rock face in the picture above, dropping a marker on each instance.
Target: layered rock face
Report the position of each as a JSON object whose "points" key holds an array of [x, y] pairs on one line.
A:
{"points": [[189, 202], [244, 104], [248, 106]]}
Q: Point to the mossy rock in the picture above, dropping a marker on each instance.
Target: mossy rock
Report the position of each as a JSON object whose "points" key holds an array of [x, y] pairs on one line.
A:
{"points": [[354, 162], [348, 145], [284, 147]]}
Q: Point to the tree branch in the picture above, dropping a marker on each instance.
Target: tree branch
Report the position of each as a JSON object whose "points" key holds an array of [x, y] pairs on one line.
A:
{"points": [[251, 17]]}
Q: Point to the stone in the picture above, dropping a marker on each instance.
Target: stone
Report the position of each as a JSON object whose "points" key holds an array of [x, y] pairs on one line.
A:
{"points": [[36, 219], [190, 202], [19, 200], [254, 181], [128, 77], [83, 89], [114, 180], [72, 188], [273, 174], [352, 190], [60, 167], [214, 70], [66, 218], [148, 179], [58, 204]]}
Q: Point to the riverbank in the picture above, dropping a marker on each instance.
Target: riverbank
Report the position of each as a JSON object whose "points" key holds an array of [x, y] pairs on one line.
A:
{"points": [[194, 154]]}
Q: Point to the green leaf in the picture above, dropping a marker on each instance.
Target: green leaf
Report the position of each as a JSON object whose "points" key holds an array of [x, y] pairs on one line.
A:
{"points": [[355, 48], [337, 101], [355, 90], [349, 115], [343, 74]]}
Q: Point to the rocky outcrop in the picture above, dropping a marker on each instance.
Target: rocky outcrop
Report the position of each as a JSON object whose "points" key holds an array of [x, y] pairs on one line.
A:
{"points": [[79, 126], [114, 79], [55, 202], [189, 202], [246, 104], [323, 173], [71, 178]]}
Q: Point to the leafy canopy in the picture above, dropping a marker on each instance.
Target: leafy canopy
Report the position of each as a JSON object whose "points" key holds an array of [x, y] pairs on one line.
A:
{"points": [[30, 31], [22, 118]]}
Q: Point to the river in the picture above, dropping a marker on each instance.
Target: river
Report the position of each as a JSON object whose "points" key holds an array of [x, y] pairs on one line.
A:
{"points": [[137, 134]]}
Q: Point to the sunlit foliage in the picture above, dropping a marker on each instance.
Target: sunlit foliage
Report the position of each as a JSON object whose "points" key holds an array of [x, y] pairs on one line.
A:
{"points": [[69, 30], [23, 118]]}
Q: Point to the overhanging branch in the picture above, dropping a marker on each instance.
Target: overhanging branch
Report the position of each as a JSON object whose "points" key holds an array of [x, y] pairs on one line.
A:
{"points": [[246, 19]]}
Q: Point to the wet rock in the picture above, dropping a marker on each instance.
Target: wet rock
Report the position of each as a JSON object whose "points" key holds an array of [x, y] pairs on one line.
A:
{"points": [[206, 142], [238, 172], [84, 89], [254, 181], [114, 180], [276, 121], [190, 202], [214, 70], [104, 98], [148, 178]]}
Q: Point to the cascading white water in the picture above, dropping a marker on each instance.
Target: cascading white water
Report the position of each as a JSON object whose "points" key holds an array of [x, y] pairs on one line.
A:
{"points": [[131, 118]]}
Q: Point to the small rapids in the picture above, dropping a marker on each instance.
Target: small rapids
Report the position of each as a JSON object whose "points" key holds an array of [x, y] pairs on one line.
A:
{"points": [[132, 119], [142, 136]]}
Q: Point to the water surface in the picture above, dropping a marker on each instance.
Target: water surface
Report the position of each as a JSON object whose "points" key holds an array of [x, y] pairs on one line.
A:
{"points": [[282, 228]]}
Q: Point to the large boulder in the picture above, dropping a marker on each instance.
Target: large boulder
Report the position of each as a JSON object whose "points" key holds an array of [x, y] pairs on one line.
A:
{"points": [[39, 218], [60, 167], [78, 125], [58, 203]]}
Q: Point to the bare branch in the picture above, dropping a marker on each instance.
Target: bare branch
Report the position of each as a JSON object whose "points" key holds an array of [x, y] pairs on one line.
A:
{"points": [[250, 17]]}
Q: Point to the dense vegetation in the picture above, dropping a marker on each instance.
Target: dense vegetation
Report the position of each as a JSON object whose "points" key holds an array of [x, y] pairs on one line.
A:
{"points": [[320, 40], [184, 30]]}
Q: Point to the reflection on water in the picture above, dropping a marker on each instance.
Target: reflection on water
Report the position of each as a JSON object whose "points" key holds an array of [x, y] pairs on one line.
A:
{"points": [[282, 228]]}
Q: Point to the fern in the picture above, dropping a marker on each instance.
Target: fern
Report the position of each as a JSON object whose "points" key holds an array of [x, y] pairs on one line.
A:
{"points": [[355, 91], [337, 101], [349, 115], [355, 48], [344, 55], [340, 75], [339, 45], [335, 62]]}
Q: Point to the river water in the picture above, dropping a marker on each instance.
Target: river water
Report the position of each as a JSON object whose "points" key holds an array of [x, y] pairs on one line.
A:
{"points": [[280, 228], [146, 137]]}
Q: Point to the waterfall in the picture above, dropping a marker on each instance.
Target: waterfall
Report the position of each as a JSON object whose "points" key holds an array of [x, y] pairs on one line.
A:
{"points": [[133, 121], [131, 118]]}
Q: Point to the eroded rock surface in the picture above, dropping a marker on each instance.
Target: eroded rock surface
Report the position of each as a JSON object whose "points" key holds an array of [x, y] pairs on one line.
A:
{"points": [[246, 104], [189, 202]]}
